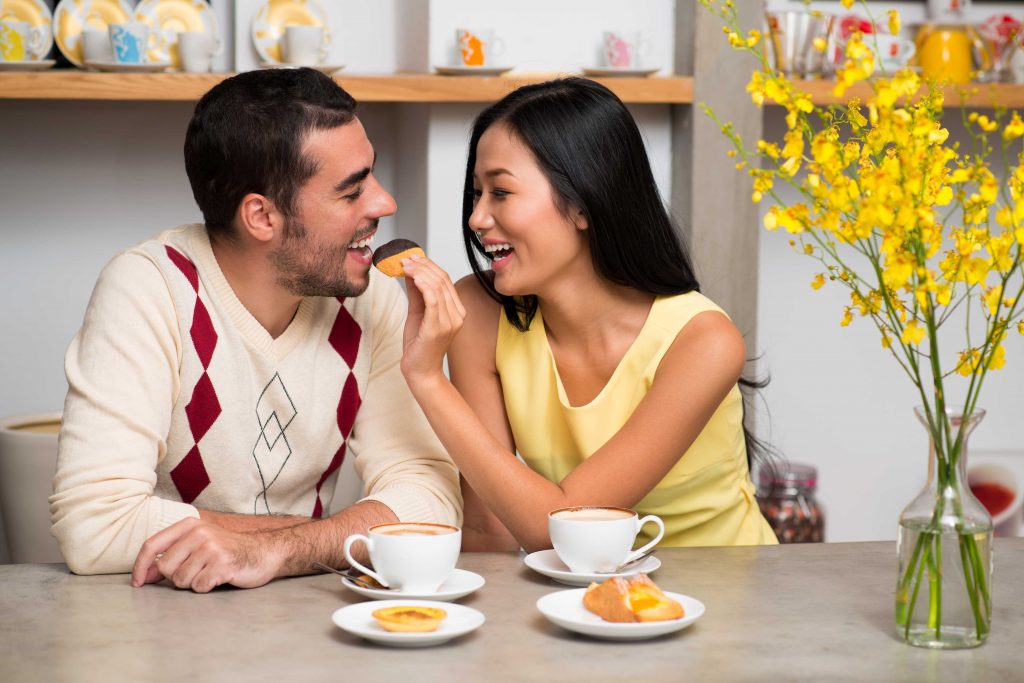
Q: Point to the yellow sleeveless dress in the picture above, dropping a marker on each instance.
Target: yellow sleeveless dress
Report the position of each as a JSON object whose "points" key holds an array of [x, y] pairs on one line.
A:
{"points": [[706, 499]]}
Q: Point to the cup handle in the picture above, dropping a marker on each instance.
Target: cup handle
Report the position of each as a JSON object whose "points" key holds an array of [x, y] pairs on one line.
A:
{"points": [[497, 47], [639, 525], [218, 46], [35, 41], [346, 549], [642, 50], [910, 49]]}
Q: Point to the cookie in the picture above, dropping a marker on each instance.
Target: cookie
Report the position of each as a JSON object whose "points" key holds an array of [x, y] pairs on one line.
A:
{"points": [[388, 257]]}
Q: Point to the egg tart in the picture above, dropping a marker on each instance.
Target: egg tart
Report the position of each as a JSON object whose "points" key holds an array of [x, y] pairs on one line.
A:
{"points": [[409, 618]]}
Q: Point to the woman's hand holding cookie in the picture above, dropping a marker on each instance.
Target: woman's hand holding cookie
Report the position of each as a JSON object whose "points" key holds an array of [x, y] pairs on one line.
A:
{"points": [[435, 316]]}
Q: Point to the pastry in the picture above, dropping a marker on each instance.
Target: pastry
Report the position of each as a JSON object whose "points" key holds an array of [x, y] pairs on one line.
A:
{"points": [[388, 257], [636, 598], [409, 618]]}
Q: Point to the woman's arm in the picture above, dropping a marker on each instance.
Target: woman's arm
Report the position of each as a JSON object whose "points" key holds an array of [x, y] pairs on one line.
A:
{"points": [[700, 368]]}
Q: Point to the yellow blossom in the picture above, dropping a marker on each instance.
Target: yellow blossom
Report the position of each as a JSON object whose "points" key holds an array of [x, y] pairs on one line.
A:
{"points": [[997, 358], [847, 3], [913, 333], [819, 281], [847, 317], [894, 22], [1015, 128]]}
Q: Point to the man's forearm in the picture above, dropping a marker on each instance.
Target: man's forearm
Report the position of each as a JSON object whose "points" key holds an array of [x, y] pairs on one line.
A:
{"points": [[251, 523], [300, 546]]}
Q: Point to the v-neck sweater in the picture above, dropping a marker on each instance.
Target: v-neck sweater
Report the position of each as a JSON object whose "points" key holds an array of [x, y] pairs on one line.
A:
{"points": [[707, 498], [179, 399]]}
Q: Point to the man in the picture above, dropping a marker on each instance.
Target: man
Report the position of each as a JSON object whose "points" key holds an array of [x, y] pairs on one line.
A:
{"points": [[223, 371]]}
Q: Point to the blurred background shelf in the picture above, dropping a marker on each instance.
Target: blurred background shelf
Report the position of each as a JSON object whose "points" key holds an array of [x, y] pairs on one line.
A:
{"points": [[978, 95], [86, 85]]}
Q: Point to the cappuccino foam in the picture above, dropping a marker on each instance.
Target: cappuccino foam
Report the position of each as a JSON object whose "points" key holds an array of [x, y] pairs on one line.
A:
{"points": [[414, 530], [593, 514]]}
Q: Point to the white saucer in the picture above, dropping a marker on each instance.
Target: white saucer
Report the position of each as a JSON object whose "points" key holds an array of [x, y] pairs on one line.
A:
{"points": [[358, 619], [546, 562], [472, 70], [565, 608], [28, 65], [323, 68], [142, 67], [620, 70], [460, 584]]}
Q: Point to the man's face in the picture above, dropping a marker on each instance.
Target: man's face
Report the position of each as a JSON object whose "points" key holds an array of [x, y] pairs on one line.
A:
{"points": [[324, 249]]}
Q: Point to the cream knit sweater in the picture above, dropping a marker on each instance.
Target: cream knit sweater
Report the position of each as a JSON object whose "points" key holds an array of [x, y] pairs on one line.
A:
{"points": [[178, 398]]}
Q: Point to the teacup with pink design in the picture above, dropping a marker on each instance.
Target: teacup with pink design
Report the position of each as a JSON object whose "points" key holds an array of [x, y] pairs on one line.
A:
{"points": [[624, 49]]}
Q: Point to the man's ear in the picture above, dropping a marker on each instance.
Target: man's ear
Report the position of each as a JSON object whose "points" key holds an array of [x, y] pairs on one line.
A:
{"points": [[259, 218]]}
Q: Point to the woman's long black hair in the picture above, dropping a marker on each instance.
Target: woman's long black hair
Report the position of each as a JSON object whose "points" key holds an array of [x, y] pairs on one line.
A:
{"points": [[589, 147]]}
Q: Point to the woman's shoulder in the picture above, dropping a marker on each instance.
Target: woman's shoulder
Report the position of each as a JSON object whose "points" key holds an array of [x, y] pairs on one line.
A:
{"points": [[689, 305], [477, 300], [703, 330]]}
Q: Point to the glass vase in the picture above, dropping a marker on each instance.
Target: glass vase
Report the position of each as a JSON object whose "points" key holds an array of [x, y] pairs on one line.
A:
{"points": [[944, 588]]}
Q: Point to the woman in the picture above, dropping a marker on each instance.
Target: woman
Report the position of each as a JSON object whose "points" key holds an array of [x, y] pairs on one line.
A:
{"points": [[586, 347]]}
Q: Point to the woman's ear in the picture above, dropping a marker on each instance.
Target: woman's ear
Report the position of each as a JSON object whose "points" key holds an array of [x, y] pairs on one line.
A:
{"points": [[258, 217], [580, 220]]}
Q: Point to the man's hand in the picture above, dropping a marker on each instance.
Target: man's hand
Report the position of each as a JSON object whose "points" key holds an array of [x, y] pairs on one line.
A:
{"points": [[201, 556]]}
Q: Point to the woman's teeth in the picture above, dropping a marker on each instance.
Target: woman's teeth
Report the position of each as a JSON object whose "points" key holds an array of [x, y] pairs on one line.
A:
{"points": [[498, 250]]}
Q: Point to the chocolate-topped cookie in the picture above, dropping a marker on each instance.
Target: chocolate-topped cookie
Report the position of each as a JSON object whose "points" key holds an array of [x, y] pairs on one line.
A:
{"points": [[388, 257]]}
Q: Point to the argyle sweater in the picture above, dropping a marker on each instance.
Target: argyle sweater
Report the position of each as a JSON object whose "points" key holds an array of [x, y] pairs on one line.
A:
{"points": [[179, 399]]}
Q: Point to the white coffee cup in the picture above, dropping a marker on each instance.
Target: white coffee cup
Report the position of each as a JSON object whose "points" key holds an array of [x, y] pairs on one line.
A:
{"points": [[129, 42], [598, 539], [624, 50], [304, 45], [197, 50], [894, 52], [96, 46], [412, 557], [19, 40], [477, 48]]}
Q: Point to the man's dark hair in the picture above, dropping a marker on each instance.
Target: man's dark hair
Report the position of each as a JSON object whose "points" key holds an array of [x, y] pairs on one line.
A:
{"points": [[246, 136]]}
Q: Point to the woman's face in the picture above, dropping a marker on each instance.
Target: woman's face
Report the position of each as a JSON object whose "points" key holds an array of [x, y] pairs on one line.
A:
{"points": [[531, 242]]}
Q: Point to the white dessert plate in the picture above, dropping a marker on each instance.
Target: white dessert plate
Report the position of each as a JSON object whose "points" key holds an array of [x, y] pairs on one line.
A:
{"points": [[620, 70], [38, 15], [323, 68], [71, 17], [167, 18], [28, 65], [546, 562], [565, 608], [460, 584], [143, 67], [358, 620], [273, 16], [472, 70]]}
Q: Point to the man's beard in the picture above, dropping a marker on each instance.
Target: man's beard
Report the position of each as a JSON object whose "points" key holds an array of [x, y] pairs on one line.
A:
{"points": [[309, 268]]}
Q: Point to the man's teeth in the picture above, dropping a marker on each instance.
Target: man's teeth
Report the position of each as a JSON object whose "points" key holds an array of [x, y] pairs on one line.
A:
{"points": [[362, 243], [491, 248]]}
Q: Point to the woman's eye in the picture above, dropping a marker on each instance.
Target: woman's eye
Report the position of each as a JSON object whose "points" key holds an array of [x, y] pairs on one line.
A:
{"points": [[499, 193]]}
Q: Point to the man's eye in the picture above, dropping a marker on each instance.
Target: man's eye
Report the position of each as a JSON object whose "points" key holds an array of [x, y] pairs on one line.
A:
{"points": [[351, 197]]}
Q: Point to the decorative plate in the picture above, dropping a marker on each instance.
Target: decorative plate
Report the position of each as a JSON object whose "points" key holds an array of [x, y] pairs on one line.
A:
{"points": [[272, 17], [72, 17], [28, 65], [36, 13], [166, 18]]}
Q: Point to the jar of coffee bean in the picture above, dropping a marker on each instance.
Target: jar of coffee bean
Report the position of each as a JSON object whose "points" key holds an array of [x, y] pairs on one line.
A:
{"points": [[785, 493]]}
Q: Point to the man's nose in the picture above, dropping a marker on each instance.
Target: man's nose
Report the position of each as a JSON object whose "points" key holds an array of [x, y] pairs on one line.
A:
{"points": [[383, 203]]}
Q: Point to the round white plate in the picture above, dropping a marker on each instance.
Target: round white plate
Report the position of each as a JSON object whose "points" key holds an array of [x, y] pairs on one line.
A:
{"points": [[273, 16], [143, 67], [36, 13], [73, 16], [460, 584], [323, 68], [167, 18], [546, 562], [358, 620], [28, 65], [565, 608], [472, 70], [620, 71]]}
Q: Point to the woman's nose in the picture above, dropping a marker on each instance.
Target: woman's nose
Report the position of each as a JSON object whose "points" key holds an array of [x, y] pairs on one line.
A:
{"points": [[480, 219]]}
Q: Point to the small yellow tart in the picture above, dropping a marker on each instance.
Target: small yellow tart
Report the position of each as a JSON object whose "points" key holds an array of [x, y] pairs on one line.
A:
{"points": [[409, 618]]}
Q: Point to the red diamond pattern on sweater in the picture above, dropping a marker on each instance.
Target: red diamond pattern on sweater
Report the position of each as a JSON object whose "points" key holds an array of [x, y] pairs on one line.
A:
{"points": [[190, 476], [344, 338]]}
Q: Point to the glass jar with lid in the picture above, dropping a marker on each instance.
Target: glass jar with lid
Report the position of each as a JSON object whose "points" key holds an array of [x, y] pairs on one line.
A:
{"points": [[785, 494]]}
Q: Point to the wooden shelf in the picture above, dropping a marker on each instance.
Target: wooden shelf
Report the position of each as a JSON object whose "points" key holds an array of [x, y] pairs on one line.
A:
{"points": [[981, 95], [73, 84]]}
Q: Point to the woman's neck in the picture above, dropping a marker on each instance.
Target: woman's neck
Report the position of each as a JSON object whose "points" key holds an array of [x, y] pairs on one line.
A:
{"points": [[593, 314]]}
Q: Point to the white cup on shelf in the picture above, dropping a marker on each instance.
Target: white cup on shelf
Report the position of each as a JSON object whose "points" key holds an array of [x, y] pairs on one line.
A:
{"points": [[197, 50], [96, 46], [304, 45]]}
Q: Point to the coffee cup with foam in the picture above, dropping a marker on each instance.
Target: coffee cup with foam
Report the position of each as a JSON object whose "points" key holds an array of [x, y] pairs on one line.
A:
{"points": [[412, 557], [599, 539]]}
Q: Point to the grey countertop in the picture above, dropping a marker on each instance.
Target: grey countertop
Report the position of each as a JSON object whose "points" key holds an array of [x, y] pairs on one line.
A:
{"points": [[782, 613]]}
